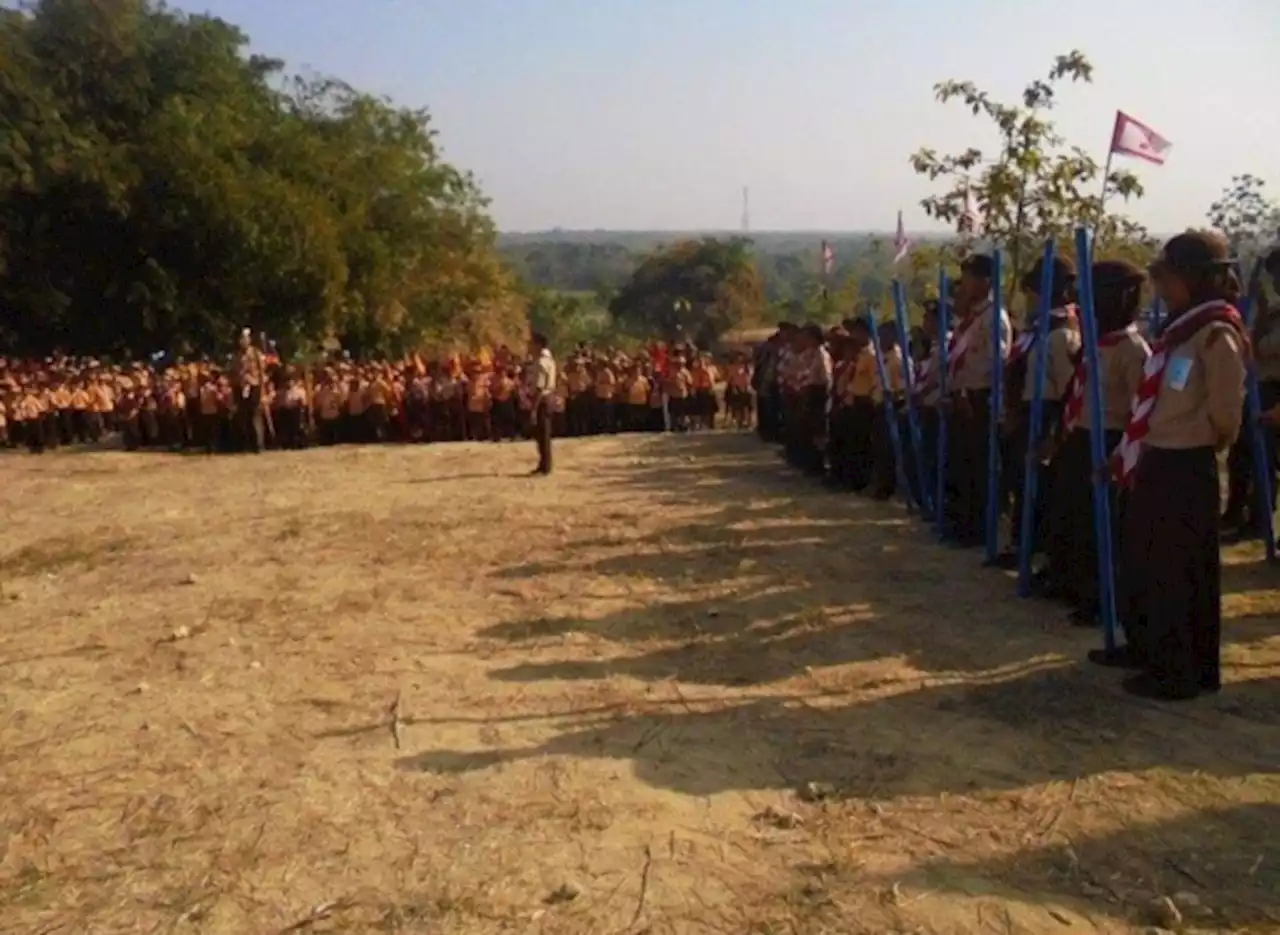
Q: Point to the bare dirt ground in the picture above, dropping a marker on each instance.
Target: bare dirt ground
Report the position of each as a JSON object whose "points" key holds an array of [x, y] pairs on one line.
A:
{"points": [[671, 689]]}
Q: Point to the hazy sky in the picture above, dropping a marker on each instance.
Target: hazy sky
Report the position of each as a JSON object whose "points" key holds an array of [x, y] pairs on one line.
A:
{"points": [[652, 114]]}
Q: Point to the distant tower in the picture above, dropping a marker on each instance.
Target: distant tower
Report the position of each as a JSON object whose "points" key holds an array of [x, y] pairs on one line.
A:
{"points": [[746, 209]]}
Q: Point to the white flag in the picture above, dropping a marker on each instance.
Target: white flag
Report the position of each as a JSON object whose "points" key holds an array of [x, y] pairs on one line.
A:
{"points": [[900, 242], [970, 221], [1129, 137]]}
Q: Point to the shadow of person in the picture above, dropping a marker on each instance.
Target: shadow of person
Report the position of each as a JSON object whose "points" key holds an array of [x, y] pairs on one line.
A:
{"points": [[1220, 865], [974, 734]]}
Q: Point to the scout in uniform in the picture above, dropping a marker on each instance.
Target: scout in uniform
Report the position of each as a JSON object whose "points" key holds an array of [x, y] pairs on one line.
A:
{"points": [[928, 392], [813, 383], [737, 393], [502, 414], [636, 390], [578, 403], [969, 381], [1063, 343], [251, 377], [884, 467], [1070, 536], [1187, 410], [1240, 518], [679, 390], [478, 403], [704, 392], [542, 379], [604, 389]]}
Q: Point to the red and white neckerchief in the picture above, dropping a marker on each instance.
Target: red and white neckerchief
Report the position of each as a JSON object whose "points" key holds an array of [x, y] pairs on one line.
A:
{"points": [[1027, 340], [1079, 382], [1178, 332], [962, 339]]}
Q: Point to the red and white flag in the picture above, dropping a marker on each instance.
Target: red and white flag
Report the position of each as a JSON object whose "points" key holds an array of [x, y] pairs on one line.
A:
{"points": [[1129, 137], [970, 220], [828, 259], [900, 242]]}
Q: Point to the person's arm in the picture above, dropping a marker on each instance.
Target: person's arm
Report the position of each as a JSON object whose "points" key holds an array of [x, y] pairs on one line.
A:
{"points": [[1224, 384]]}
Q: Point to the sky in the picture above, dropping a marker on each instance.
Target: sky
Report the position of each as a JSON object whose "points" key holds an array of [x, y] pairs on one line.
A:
{"points": [[654, 114]]}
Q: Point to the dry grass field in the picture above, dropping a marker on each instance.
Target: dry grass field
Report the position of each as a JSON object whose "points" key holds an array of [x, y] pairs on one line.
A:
{"points": [[670, 689]]}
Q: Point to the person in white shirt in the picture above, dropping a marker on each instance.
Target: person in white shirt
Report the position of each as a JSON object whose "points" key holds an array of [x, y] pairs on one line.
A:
{"points": [[542, 381]]}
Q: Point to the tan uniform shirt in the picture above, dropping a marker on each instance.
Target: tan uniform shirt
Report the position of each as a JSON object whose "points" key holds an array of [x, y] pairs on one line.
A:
{"points": [[975, 370], [1121, 365], [930, 376], [893, 369], [251, 368], [1059, 365], [1206, 409]]}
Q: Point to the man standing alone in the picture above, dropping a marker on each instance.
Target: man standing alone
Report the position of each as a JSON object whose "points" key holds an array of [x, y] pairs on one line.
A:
{"points": [[542, 380], [251, 375]]}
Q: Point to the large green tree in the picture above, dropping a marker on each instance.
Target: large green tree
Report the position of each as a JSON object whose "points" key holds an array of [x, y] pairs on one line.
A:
{"points": [[159, 188], [695, 289]]}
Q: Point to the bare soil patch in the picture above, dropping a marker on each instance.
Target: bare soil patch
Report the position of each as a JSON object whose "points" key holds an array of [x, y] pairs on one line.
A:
{"points": [[672, 688]]}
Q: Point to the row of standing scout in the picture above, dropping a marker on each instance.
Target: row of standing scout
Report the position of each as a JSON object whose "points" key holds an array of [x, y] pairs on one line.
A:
{"points": [[1149, 478]]}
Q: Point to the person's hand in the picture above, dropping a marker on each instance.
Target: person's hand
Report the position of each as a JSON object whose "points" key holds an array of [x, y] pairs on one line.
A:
{"points": [[1270, 417]]}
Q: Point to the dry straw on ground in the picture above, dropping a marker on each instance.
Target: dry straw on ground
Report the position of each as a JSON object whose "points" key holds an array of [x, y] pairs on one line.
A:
{"points": [[670, 689]]}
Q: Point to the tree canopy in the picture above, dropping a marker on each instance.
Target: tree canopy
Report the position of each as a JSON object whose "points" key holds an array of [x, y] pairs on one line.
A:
{"points": [[160, 188], [696, 289], [1035, 185]]}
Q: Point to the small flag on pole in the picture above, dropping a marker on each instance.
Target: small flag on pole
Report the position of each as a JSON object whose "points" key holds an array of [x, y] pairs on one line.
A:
{"points": [[1130, 137], [900, 242], [970, 221], [828, 259]]}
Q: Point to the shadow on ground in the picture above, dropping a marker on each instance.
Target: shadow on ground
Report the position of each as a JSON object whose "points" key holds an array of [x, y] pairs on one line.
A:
{"points": [[1028, 727], [802, 577], [957, 688], [1227, 859]]}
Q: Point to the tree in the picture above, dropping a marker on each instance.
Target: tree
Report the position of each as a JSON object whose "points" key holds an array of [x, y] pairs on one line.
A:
{"points": [[1245, 215], [1035, 185], [160, 188], [694, 289]]}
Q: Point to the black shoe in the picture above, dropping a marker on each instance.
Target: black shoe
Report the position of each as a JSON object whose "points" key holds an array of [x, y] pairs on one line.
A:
{"points": [[1006, 561], [1144, 686], [1122, 657], [1085, 618]]}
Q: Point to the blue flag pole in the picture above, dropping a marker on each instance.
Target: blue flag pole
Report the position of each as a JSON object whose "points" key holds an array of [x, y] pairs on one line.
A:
{"points": [[1257, 432], [909, 381], [1030, 482], [1097, 438], [996, 405], [944, 328], [886, 392]]}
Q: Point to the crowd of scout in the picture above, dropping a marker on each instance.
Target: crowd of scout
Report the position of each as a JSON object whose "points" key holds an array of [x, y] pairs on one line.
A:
{"points": [[258, 402], [1172, 403]]}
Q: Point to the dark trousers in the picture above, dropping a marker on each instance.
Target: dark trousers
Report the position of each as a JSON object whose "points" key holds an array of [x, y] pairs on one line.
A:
{"points": [[1170, 570], [968, 467], [542, 433], [884, 466], [767, 414], [1242, 502], [929, 451], [252, 430], [1019, 449], [1070, 534], [811, 430]]}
